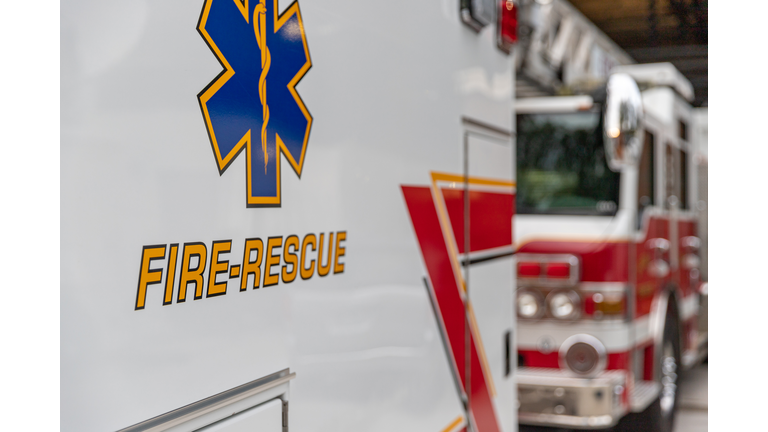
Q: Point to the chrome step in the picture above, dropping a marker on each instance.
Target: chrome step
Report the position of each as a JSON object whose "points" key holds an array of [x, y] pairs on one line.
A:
{"points": [[643, 393]]}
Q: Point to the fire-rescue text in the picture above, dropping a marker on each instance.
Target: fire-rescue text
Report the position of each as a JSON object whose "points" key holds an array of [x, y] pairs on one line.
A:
{"points": [[195, 265]]}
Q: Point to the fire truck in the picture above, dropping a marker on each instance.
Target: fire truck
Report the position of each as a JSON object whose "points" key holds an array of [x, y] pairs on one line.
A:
{"points": [[287, 216], [611, 196]]}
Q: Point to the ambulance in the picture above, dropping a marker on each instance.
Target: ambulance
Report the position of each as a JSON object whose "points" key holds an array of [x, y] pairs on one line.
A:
{"points": [[288, 216], [610, 232]]}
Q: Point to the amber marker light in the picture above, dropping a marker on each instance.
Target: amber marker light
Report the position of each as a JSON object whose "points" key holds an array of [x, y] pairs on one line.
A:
{"points": [[605, 305]]}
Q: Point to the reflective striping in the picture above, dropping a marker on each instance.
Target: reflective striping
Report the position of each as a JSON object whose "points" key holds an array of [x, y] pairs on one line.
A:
{"points": [[437, 176], [616, 336], [603, 287], [586, 229]]}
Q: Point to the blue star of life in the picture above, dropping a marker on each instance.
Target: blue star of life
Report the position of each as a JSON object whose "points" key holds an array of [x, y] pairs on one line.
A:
{"points": [[253, 104]]}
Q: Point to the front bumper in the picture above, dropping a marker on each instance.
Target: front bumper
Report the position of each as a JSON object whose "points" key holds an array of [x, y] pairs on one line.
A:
{"points": [[554, 397]]}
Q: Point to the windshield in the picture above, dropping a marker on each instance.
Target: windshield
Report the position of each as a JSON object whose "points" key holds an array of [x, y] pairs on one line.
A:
{"points": [[561, 166]]}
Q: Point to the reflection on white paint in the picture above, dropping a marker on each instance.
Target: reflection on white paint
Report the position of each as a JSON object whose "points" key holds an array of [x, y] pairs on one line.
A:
{"points": [[476, 80], [107, 31]]}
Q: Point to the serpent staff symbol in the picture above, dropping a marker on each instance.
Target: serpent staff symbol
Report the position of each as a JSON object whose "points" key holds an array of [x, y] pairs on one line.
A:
{"points": [[260, 28]]}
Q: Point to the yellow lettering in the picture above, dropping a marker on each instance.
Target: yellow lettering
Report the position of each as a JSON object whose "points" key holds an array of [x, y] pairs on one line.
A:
{"points": [[324, 270], [340, 251], [146, 276], [171, 275], [272, 260], [252, 267], [309, 239], [192, 275], [218, 267], [291, 259]]}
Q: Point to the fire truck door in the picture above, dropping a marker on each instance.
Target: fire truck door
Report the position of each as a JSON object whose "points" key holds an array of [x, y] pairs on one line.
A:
{"points": [[488, 270]]}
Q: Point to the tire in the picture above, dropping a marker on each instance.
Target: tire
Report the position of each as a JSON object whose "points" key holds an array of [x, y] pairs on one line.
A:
{"points": [[660, 415]]}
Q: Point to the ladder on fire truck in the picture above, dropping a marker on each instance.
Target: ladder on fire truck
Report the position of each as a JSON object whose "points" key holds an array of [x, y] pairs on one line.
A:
{"points": [[561, 51]]}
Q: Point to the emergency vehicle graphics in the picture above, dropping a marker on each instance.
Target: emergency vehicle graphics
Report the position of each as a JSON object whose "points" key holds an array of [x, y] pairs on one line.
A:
{"points": [[184, 310], [632, 275], [440, 215], [263, 55], [314, 254]]}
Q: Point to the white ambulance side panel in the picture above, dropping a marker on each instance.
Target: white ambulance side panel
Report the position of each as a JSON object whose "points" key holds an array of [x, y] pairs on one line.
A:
{"points": [[388, 87]]}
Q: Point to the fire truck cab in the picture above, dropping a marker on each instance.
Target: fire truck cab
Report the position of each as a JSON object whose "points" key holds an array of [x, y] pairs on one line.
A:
{"points": [[608, 264]]}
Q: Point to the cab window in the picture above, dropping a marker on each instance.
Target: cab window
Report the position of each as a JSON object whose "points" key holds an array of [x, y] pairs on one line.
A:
{"points": [[671, 179], [646, 185], [683, 180], [646, 189]]}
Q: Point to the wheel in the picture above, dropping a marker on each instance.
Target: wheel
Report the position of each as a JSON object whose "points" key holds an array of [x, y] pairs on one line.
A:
{"points": [[660, 415]]}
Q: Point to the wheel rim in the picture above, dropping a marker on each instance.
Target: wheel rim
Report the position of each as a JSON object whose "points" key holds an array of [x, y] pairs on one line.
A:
{"points": [[668, 380]]}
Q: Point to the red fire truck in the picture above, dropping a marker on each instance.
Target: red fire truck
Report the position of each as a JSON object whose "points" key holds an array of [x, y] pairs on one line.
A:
{"points": [[609, 265]]}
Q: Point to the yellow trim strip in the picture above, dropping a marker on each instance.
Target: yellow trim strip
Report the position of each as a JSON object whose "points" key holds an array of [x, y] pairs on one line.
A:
{"points": [[459, 420], [448, 233], [453, 254], [438, 176], [481, 351]]}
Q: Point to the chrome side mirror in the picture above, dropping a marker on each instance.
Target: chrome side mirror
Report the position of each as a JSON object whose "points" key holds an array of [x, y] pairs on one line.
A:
{"points": [[622, 122]]}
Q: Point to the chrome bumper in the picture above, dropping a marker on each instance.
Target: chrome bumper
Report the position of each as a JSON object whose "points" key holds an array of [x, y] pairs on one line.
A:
{"points": [[553, 397]]}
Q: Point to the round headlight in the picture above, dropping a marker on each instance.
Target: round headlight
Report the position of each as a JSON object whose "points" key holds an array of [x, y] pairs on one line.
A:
{"points": [[564, 304], [583, 354], [529, 304]]}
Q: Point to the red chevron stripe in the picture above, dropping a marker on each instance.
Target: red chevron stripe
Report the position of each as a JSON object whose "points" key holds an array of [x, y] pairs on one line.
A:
{"points": [[447, 293]]}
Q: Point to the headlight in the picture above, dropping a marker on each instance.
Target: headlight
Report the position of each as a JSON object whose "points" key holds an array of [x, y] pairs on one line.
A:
{"points": [[583, 354], [529, 304], [564, 304]]}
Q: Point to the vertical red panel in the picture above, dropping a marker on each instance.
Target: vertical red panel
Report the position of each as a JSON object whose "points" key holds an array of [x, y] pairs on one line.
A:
{"points": [[446, 291], [648, 363], [490, 218], [618, 361]]}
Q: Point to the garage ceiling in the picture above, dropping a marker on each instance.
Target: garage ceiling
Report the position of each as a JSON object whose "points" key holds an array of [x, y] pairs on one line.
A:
{"points": [[657, 31]]}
